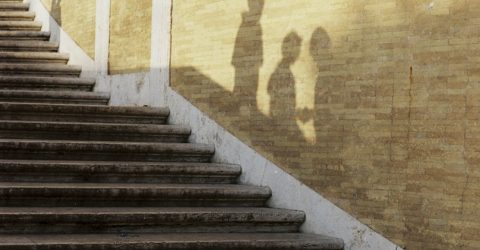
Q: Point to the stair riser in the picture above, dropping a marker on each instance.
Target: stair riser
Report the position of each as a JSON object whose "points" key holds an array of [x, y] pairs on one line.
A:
{"points": [[13, 8], [33, 60], [101, 156], [24, 38], [119, 173], [89, 227], [57, 100], [20, 28], [27, 49], [40, 73], [126, 202], [140, 224], [17, 18], [62, 117], [89, 136], [47, 87], [221, 245], [115, 178]]}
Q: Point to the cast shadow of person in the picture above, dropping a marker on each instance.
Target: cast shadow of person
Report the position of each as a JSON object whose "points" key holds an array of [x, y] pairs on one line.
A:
{"points": [[56, 13], [281, 88], [326, 87], [247, 56]]}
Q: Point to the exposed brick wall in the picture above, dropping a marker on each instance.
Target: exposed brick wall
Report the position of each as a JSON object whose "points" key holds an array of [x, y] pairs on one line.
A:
{"points": [[374, 104], [130, 31], [77, 18]]}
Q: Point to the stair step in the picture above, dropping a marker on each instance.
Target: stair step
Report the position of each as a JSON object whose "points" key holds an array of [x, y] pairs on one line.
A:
{"points": [[9, 5], [45, 83], [93, 131], [29, 194], [33, 57], [33, 46], [17, 15], [40, 69], [104, 151], [20, 25], [38, 96], [74, 220], [25, 35], [201, 241], [118, 172], [82, 113]]}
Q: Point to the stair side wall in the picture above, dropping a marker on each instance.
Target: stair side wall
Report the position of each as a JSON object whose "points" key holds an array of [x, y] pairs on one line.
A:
{"points": [[151, 88]]}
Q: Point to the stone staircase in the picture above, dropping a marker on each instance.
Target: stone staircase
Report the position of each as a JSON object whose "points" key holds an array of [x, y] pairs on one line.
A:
{"points": [[76, 173]]}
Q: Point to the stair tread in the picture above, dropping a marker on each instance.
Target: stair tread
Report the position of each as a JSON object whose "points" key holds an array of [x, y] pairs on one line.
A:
{"points": [[40, 67], [54, 94], [13, 5], [17, 13], [34, 55], [107, 127], [12, 34], [113, 146], [136, 186], [5, 211], [189, 240], [41, 79], [115, 167], [36, 107], [141, 145], [20, 23], [28, 43], [88, 125]]}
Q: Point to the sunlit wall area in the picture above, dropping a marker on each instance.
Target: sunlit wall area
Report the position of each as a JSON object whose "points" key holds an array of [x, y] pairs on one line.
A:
{"points": [[77, 18], [130, 34], [371, 103]]}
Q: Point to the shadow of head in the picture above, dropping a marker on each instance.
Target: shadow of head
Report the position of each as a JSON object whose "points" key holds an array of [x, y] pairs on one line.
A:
{"points": [[256, 6], [291, 47], [319, 44]]}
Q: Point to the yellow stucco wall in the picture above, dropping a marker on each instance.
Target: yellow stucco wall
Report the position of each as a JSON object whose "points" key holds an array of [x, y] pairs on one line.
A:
{"points": [[77, 18], [130, 36], [374, 104]]}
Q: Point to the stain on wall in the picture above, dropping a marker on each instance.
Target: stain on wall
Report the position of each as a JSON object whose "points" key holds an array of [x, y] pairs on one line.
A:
{"points": [[374, 104]]}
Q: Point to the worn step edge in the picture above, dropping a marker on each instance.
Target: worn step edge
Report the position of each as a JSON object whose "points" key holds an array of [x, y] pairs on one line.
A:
{"points": [[92, 131], [33, 57], [25, 35], [104, 151], [148, 219], [85, 113], [54, 83], [205, 241], [17, 15], [13, 6], [28, 194], [118, 172], [20, 25], [27, 45], [72, 97], [45, 69]]}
